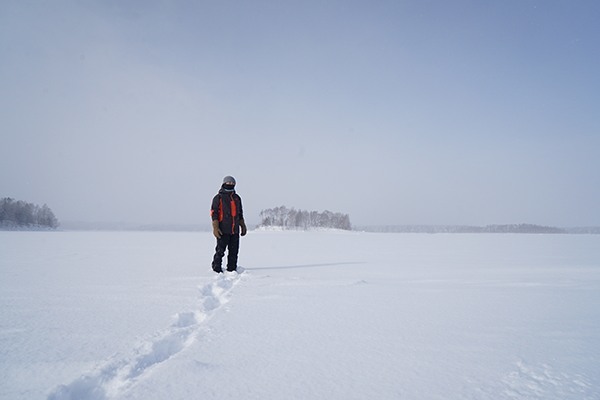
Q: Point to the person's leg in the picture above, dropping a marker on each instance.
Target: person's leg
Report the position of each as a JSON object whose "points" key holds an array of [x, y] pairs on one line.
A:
{"points": [[232, 255], [219, 253]]}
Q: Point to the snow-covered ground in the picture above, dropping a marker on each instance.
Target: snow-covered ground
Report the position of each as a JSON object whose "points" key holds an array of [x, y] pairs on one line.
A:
{"points": [[124, 315]]}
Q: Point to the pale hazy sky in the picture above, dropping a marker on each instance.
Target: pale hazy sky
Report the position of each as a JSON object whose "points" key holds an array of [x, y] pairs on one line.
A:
{"points": [[395, 112]]}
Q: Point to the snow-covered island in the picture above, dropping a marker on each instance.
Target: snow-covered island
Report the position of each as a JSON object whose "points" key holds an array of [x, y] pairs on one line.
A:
{"points": [[21, 215]]}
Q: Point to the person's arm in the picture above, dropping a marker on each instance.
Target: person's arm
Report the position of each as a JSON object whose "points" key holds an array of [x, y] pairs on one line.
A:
{"points": [[214, 215], [242, 222]]}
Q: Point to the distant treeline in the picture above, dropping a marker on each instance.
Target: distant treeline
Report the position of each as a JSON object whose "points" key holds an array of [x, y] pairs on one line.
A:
{"points": [[289, 218], [17, 214], [595, 230], [510, 228]]}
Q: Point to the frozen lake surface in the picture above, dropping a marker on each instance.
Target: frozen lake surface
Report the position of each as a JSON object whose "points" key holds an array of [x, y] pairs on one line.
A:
{"points": [[342, 315]]}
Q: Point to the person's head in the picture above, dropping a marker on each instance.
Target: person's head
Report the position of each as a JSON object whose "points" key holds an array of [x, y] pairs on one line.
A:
{"points": [[229, 182]]}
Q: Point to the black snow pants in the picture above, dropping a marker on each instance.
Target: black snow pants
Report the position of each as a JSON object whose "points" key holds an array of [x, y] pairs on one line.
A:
{"points": [[232, 243]]}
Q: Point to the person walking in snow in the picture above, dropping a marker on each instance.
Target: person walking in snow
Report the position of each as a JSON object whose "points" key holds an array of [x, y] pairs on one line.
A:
{"points": [[227, 222]]}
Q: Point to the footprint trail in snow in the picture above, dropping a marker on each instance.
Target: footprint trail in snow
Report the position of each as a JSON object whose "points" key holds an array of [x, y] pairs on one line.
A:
{"points": [[117, 375]]}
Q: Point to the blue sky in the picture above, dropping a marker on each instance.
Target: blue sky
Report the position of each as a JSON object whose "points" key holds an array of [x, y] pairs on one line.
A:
{"points": [[395, 112]]}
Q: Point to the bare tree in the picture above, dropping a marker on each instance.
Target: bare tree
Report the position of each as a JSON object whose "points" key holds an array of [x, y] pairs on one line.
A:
{"points": [[290, 218]]}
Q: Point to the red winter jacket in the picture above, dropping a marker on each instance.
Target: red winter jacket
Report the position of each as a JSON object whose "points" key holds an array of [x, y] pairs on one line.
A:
{"points": [[227, 209]]}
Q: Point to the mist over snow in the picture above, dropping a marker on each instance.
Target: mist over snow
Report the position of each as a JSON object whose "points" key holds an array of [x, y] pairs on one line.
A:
{"points": [[393, 113]]}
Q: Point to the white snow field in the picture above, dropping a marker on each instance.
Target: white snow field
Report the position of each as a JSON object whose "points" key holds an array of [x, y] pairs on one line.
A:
{"points": [[336, 315]]}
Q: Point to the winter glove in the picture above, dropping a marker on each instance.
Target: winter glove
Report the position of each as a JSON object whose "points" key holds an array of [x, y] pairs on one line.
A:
{"points": [[216, 231], [243, 226]]}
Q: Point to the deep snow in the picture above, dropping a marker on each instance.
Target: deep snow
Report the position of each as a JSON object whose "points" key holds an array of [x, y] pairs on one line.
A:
{"points": [[347, 315]]}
